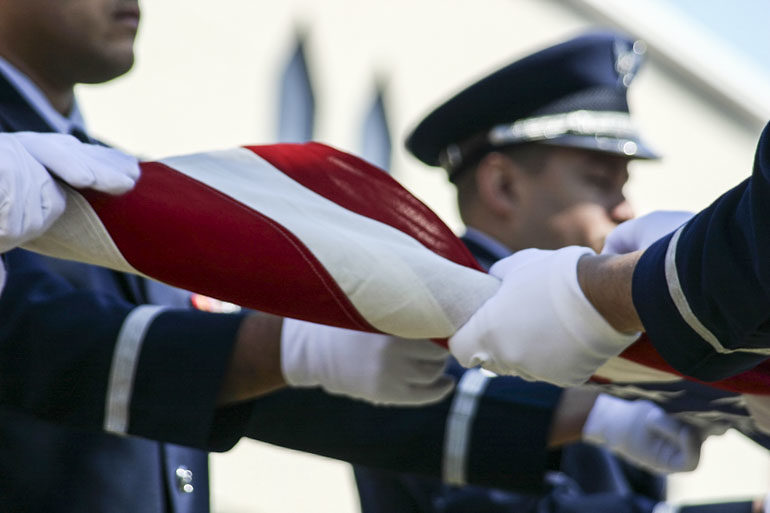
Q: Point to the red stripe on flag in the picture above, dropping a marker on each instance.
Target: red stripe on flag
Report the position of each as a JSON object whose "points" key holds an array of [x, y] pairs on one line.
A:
{"points": [[754, 381], [367, 190], [189, 235]]}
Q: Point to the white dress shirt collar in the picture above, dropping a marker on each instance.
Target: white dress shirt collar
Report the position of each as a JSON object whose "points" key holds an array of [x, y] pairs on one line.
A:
{"points": [[39, 102]]}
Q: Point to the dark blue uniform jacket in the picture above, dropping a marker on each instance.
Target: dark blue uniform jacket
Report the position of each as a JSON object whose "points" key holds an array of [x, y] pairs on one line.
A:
{"points": [[703, 292]]}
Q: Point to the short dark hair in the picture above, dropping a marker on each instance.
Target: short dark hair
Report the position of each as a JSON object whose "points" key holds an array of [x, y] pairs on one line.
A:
{"points": [[530, 156]]}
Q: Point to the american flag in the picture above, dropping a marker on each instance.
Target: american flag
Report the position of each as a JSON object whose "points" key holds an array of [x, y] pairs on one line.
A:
{"points": [[310, 232]]}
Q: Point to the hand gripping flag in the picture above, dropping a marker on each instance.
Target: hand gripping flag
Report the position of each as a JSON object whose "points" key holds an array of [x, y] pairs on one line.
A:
{"points": [[307, 231]]}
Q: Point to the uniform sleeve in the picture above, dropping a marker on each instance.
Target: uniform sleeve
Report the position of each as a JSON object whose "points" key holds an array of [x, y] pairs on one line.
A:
{"points": [[703, 292], [92, 360], [491, 431]]}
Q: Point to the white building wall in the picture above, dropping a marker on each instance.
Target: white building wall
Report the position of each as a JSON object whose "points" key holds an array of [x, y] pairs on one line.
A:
{"points": [[207, 77]]}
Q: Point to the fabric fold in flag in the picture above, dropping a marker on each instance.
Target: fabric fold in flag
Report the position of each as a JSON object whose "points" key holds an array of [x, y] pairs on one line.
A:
{"points": [[302, 231], [310, 232]]}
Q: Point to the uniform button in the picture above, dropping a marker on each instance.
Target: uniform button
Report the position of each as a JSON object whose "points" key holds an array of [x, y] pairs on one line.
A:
{"points": [[184, 477]]}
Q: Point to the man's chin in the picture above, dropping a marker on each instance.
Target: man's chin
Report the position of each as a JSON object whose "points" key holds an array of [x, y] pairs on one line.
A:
{"points": [[111, 66]]}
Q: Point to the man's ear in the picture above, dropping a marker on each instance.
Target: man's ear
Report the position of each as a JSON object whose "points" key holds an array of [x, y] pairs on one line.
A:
{"points": [[496, 184]]}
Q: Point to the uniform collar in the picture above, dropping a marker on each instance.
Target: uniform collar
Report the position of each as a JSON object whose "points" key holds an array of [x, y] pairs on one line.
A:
{"points": [[494, 247], [38, 101]]}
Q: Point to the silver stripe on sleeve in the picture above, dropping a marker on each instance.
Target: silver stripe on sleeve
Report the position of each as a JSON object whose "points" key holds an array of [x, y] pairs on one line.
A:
{"points": [[124, 360], [677, 295], [459, 424]]}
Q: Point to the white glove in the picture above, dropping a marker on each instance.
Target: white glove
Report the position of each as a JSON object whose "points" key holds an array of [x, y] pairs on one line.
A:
{"points": [[381, 369], [82, 165], [30, 200], [644, 434], [539, 325], [641, 232]]}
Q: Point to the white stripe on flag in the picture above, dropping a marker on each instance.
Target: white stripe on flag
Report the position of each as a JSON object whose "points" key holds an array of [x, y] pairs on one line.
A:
{"points": [[80, 235], [396, 284], [124, 360]]}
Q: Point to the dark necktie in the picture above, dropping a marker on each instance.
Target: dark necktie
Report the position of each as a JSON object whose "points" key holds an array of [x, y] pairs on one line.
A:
{"points": [[80, 135]]}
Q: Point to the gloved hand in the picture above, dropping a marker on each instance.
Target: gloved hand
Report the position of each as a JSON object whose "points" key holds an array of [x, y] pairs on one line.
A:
{"points": [[30, 200], [644, 434], [82, 165], [539, 325], [641, 232], [381, 369]]}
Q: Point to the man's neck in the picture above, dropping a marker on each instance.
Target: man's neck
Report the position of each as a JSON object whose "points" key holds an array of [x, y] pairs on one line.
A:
{"points": [[60, 95]]}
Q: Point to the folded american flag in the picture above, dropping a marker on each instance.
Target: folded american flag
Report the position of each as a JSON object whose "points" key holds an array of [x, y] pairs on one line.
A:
{"points": [[310, 232], [302, 231]]}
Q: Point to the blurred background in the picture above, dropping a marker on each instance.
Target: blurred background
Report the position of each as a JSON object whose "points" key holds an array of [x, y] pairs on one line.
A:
{"points": [[358, 74]]}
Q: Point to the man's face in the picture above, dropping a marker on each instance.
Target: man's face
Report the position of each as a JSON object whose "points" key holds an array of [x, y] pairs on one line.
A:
{"points": [[85, 41], [576, 199]]}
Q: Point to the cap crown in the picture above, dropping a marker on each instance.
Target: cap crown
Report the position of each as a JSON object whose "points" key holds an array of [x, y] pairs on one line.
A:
{"points": [[589, 73]]}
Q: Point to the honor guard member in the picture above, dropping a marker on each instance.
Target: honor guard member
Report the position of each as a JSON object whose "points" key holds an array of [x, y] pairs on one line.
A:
{"points": [[698, 288], [538, 151]]}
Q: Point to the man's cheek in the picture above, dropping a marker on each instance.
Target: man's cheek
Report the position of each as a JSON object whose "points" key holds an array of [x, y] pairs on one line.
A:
{"points": [[584, 225]]}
